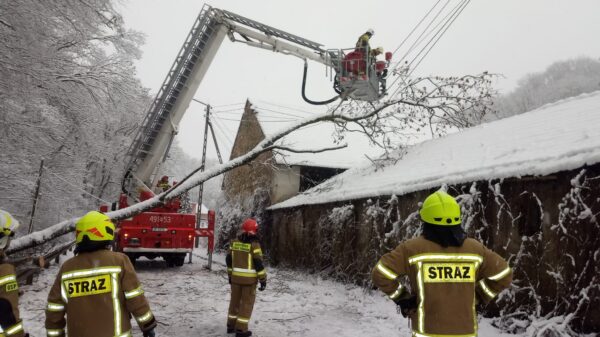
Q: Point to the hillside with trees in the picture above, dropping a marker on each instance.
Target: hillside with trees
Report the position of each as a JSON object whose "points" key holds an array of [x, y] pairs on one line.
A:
{"points": [[560, 80], [69, 96]]}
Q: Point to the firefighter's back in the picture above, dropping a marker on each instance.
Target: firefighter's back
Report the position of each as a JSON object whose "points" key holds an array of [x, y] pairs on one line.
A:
{"points": [[446, 279], [92, 286]]}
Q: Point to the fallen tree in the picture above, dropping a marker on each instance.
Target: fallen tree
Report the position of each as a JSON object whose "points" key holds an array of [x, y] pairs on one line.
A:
{"points": [[440, 103]]}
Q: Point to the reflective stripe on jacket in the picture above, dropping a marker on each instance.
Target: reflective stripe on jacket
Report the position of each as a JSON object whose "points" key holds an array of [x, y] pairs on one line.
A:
{"points": [[245, 262], [445, 280], [94, 294], [9, 292]]}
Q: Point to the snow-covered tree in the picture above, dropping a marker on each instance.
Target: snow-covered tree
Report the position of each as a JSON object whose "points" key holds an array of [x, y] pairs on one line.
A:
{"points": [[560, 80], [68, 95]]}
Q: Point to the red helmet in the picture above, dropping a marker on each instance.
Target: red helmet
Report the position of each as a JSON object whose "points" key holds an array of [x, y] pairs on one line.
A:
{"points": [[250, 226], [164, 178]]}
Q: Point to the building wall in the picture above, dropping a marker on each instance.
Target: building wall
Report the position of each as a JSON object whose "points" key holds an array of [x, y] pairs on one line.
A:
{"points": [[243, 182], [546, 227], [285, 184]]}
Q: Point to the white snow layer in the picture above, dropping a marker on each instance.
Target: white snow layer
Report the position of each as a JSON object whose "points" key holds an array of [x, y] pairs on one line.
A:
{"points": [[560, 136], [192, 301], [318, 136]]}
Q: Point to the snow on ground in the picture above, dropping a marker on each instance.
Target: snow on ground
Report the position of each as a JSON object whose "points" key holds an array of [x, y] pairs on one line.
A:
{"points": [[192, 301]]}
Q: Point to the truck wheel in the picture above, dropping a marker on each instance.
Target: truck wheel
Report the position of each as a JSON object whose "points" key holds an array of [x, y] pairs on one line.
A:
{"points": [[131, 258], [179, 260], [170, 261]]}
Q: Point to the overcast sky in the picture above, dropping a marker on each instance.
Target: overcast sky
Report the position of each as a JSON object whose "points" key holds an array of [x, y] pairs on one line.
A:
{"points": [[511, 37]]}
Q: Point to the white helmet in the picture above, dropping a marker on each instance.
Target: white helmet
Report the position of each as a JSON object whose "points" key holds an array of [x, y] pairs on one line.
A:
{"points": [[370, 31], [8, 227]]}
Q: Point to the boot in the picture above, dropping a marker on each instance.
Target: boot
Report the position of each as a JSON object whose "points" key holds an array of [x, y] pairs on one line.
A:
{"points": [[243, 333], [230, 329]]}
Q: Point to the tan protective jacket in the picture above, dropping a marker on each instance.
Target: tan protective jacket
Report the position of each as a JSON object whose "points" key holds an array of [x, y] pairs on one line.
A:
{"points": [[445, 281], [98, 292], [246, 263], [363, 42], [9, 291]]}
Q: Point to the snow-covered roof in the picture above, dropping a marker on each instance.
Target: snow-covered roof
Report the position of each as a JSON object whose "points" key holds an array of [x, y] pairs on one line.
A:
{"points": [[560, 136], [318, 136]]}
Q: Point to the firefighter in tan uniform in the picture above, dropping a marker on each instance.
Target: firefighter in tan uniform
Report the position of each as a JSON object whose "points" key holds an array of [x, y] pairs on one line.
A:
{"points": [[448, 273], [245, 268], [97, 291], [10, 323]]}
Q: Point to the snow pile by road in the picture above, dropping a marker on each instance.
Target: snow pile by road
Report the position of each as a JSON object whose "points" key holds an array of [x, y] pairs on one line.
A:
{"points": [[192, 301], [560, 136]]}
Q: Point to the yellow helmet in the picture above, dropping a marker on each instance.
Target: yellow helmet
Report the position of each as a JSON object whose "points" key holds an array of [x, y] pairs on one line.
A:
{"points": [[8, 227], [94, 226], [440, 208]]}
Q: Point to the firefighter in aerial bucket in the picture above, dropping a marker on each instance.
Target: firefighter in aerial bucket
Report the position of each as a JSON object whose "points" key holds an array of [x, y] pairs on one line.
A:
{"points": [[448, 273], [10, 323], [97, 291], [362, 44], [245, 269], [163, 184]]}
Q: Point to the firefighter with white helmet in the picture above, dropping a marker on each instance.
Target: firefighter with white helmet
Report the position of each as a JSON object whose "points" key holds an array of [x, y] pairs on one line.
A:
{"points": [[362, 45], [245, 269], [448, 273], [97, 291], [10, 322]]}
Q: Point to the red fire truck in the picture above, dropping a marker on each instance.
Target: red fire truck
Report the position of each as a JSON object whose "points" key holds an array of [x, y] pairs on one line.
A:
{"points": [[162, 231]]}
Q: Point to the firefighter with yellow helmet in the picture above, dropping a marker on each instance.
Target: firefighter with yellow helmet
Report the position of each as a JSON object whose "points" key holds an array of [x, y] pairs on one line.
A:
{"points": [[245, 269], [97, 291], [10, 323], [448, 273]]}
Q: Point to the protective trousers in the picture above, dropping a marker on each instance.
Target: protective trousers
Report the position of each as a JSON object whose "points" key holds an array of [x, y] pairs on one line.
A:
{"points": [[240, 306]]}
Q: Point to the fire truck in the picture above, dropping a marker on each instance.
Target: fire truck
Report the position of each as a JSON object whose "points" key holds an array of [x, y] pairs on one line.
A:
{"points": [[169, 231]]}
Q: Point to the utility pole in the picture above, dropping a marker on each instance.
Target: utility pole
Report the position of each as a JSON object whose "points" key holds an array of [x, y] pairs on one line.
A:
{"points": [[201, 186], [36, 195], [212, 132]]}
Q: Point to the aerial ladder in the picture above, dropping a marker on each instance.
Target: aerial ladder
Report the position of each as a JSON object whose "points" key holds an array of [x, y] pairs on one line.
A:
{"points": [[354, 76]]}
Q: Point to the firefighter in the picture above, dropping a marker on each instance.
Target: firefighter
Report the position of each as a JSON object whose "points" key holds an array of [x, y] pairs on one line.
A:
{"points": [[448, 272], [10, 323], [245, 269], [163, 184], [97, 291], [362, 45]]}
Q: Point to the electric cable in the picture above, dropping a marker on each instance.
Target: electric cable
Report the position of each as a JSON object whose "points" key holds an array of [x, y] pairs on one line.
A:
{"points": [[416, 26]]}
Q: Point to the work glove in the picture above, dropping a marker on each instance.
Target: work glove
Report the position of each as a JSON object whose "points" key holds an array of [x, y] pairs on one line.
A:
{"points": [[263, 285], [149, 333], [407, 305]]}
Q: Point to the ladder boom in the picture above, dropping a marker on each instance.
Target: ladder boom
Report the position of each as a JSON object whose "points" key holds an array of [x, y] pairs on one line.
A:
{"points": [[152, 141]]}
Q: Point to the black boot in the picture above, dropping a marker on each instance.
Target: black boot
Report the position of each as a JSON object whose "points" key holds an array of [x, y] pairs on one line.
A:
{"points": [[230, 329], [243, 333]]}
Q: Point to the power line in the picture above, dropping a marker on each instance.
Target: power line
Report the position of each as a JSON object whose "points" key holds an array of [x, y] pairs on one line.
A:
{"points": [[447, 21], [416, 26], [226, 105], [287, 107], [458, 10], [419, 38], [266, 121], [223, 132], [228, 110], [279, 112]]}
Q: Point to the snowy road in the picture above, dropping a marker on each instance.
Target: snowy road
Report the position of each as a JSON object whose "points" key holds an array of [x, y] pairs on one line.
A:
{"points": [[192, 301]]}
